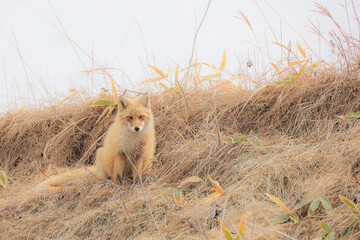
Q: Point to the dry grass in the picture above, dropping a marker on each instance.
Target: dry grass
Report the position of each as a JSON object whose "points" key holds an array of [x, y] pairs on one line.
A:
{"points": [[306, 151]]}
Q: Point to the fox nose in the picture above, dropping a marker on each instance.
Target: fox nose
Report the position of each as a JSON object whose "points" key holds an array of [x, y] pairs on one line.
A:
{"points": [[137, 129]]}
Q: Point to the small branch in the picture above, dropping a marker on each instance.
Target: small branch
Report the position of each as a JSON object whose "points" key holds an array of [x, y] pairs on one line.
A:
{"points": [[188, 71], [142, 188], [193, 225]]}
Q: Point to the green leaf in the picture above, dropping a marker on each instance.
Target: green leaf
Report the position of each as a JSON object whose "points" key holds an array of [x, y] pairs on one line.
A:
{"points": [[313, 206], [227, 235], [324, 226], [281, 218], [353, 114], [300, 205], [331, 235], [241, 138], [351, 205], [254, 141], [102, 102], [349, 228], [294, 217], [3, 179], [178, 196], [326, 204], [237, 237]]}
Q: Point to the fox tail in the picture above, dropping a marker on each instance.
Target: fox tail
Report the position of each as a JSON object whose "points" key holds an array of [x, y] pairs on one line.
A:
{"points": [[63, 178], [52, 181]]}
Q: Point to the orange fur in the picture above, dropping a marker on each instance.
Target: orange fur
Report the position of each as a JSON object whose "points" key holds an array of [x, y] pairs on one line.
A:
{"points": [[131, 136]]}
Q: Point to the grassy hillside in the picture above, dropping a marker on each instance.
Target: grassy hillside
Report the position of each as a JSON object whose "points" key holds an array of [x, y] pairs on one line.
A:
{"points": [[277, 153], [307, 150]]}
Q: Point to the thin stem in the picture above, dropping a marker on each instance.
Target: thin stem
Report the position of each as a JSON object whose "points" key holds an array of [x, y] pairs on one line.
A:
{"points": [[142, 188]]}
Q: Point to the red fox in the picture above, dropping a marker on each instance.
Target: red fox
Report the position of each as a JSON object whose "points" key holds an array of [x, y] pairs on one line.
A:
{"points": [[131, 137]]}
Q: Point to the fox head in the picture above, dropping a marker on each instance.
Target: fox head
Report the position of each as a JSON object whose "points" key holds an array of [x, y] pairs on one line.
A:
{"points": [[134, 114]]}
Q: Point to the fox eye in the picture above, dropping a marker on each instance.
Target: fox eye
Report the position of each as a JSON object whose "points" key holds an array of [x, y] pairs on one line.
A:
{"points": [[129, 117], [141, 117]]}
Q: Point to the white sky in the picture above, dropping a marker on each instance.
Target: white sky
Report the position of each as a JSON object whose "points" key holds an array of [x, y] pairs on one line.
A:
{"points": [[109, 30]]}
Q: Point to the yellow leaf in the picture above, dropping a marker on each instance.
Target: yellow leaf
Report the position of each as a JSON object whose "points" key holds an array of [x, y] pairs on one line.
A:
{"points": [[212, 197], [351, 206], [196, 83], [111, 108], [65, 99], [296, 62], [223, 228], [164, 86], [166, 191], [242, 223], [197, 64], [276, 67], [20, 108], [302, 68], [217, 186], [314, 65], [206, 77], [72, 90], [103, 94], [283, 46], [223, 61], [55, 189], [280, 203], [301, 50], [151, 80], [167, 75], [113, 87], [157, 70], [177, 77], [190, 179]]}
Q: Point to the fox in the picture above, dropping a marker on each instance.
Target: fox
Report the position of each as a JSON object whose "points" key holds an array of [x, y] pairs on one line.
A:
{"points": [[128, 148]]}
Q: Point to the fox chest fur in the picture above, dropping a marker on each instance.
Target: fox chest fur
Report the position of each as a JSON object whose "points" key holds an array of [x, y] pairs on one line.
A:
{"points": [[132, 148]]}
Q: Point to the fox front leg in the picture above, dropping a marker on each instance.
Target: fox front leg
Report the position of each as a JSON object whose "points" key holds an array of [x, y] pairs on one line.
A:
{"points": [[139, 165], [119, 169]]}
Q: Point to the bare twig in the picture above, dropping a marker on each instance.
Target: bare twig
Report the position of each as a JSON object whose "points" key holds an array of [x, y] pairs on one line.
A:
{"points": [[188, 70], [142, 188], [193, 225], [67, 36], [23, 64]]}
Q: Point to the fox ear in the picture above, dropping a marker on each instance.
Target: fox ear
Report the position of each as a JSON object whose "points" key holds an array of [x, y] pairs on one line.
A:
{"points": [[123, 102], [145, 100]]}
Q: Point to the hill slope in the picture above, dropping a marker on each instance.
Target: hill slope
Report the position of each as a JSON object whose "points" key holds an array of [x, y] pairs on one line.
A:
{"points": [[306, 151]]}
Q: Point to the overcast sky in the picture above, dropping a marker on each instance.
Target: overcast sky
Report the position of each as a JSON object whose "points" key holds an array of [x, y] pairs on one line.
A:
{"points": [[108, 31]]}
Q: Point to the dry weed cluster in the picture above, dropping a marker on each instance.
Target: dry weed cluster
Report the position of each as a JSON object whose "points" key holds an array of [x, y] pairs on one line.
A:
{"points": [[307, 150]]}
